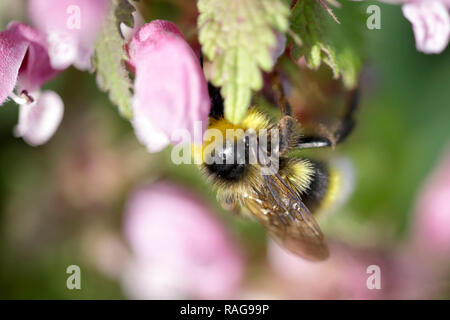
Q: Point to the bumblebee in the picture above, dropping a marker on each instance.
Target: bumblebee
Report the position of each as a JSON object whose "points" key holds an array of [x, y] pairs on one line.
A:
{"points": [[286, 201]]}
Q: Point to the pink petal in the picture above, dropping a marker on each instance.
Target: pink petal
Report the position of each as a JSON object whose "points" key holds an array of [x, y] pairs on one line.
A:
{"points": [[12, 53], [38, 121], [153, 138], [431, 25], [432, 225], [35, 68], [444, 2], [150, 32], [170, 87], [72, 27], [342, 276], [24, 60], [63, 51], [172, 234], [146, 280]]}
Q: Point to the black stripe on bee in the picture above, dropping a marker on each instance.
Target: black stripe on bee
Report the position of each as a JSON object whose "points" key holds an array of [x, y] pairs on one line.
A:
{"points": [[318, 187]]}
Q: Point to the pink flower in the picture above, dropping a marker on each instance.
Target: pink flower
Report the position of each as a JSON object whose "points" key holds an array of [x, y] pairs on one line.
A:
{"points": [[71, 28], [170, 90], [38, 121], [431, 23], [424, 259], [180, 249], [417, 276], [25, 67], [432, 223], [343, 276]]}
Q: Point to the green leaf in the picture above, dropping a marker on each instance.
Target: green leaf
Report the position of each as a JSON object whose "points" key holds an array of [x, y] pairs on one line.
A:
{"points": [[238, 36], [109, 57], [340, 46]]}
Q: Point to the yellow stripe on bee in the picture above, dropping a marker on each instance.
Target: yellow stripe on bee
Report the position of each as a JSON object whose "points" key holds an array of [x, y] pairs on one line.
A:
{"points": [[334, 185], [253, 120], [300, 174]]}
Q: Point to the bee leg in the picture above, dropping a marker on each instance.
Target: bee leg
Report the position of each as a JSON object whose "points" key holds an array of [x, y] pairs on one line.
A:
{"points": [[348, 122], [286, 129], [281, 97], [345, 128]]}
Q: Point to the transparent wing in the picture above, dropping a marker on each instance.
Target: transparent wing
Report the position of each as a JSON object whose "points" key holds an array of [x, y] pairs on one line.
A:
{"points": [[287, 219]]}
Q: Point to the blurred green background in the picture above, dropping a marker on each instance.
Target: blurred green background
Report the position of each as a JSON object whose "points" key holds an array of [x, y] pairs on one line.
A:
{"points": [[57, 199]]}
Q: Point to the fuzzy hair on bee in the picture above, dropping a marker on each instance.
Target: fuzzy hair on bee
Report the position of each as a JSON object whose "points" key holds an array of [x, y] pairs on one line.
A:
{"points": [[310, 179], [287, 201]]}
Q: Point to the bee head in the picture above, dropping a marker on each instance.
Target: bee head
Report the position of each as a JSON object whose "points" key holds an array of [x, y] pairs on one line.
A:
{"points": [[229, 160]]}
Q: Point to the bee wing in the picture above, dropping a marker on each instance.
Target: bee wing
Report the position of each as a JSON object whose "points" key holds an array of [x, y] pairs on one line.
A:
{"points": [[280, 210]]}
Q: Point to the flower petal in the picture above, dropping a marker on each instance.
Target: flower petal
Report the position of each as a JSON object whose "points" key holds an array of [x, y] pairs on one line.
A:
{"points": [[12, 53], [170, 88], [345, 270], [444, 2], [38, 121], [62, 50], [431, 25], [154, 139], [172, 233], [72, 27], [35, 68], [432, 221]]}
